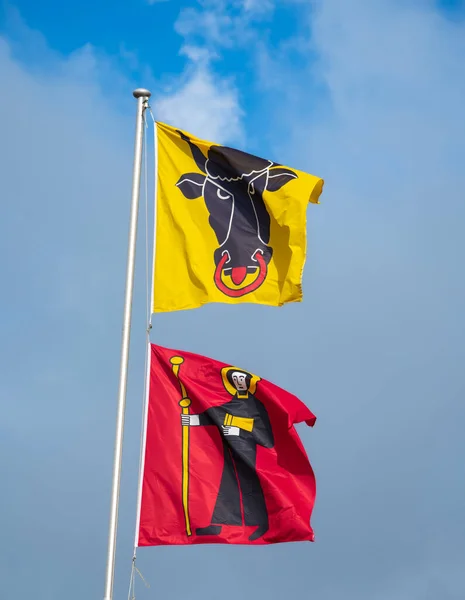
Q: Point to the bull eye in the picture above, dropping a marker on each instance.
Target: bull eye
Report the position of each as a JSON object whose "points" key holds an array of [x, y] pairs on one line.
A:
{"points": [[222, 195]]}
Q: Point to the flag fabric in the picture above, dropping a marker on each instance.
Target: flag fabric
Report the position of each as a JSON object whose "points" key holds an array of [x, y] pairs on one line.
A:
{"points": [[222, 461], [231, 227]]}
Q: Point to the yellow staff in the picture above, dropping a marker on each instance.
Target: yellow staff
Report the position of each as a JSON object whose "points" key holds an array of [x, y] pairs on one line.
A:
{"points": [[184, 403]]}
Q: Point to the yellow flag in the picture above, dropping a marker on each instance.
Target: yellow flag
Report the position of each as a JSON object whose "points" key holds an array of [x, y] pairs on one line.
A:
{"points": [[231, 227]]}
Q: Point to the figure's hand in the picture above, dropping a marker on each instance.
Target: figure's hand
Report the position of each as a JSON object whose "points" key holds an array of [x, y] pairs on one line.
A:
{"points": [[228, 430], [190, 420]]}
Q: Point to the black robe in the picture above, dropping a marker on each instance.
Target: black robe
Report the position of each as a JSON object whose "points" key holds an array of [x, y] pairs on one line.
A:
{"points": [[240, 498]]}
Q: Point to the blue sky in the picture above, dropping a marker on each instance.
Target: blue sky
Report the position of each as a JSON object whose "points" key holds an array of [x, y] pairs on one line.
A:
{"points": [[369, 96]]}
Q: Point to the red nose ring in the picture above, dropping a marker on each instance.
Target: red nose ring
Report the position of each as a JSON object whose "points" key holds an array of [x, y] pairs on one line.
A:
{"points": [[238, 275]]}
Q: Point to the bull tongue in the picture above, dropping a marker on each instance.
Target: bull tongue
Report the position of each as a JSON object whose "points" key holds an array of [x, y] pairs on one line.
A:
{"points": [[238, 274]]}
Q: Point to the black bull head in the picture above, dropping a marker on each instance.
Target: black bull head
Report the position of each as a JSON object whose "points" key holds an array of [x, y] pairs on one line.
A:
{"points": [[232, 184]]}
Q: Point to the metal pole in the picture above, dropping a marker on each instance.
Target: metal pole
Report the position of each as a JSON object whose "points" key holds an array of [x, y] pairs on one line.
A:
{"points": [[142, 100]]}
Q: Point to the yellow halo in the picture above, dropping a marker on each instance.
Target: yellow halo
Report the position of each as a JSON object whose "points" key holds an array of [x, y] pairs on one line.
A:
{"points": [[230, 388]]}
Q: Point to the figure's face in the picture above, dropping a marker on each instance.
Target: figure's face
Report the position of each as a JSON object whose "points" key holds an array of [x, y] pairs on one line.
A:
{"points": [[240, 381]]}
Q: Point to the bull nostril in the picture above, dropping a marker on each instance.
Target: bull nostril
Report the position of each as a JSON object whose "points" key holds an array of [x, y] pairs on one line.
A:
{"points": [[238, 274]]}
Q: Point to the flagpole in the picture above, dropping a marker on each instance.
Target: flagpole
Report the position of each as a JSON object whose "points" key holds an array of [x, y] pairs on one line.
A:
{"points": [[142, 96]]}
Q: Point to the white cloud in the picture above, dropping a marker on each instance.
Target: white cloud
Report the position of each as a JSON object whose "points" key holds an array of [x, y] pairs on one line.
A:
{"points": [[213, 25], [201, 100], [390, 75], [206, 105], [220, 23], [258, 6]]}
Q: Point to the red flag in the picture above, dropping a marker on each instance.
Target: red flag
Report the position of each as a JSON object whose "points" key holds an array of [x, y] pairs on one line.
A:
{"points": [[223, 462]]}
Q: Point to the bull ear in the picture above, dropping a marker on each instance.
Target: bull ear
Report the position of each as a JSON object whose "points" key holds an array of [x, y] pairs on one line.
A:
{"points": [[191, 185], [279, 177]]}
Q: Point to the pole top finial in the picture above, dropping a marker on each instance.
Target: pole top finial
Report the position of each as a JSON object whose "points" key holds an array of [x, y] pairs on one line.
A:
{"points": [[141, 92]]}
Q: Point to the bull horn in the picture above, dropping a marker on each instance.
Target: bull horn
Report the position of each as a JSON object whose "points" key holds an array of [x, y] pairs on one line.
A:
{"points": [[197, 154]]}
